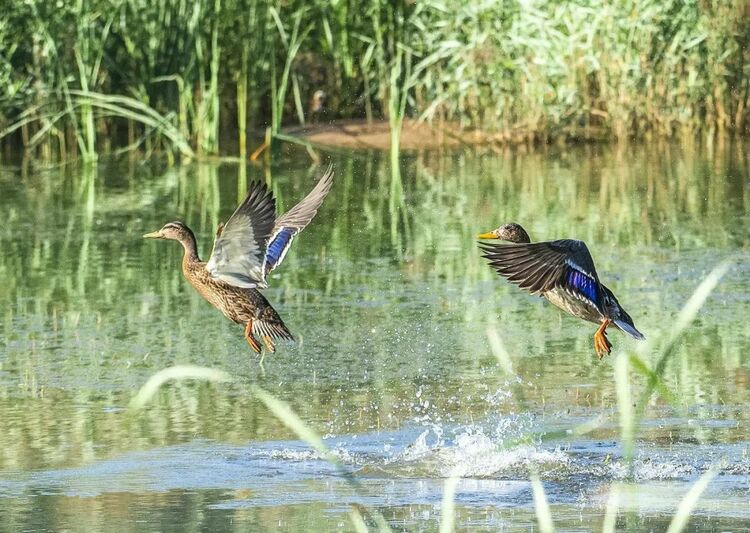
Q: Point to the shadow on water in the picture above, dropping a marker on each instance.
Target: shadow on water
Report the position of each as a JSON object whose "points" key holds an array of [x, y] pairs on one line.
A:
{"points": [[390, 302]]}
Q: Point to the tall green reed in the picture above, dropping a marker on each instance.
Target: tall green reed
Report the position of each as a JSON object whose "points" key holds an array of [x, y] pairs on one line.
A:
{"points": [[291, 43], [517, 71]]}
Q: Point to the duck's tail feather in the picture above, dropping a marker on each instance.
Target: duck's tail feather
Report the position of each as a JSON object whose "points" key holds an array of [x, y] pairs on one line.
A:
{"points": [[629, 329], [275, 329]]}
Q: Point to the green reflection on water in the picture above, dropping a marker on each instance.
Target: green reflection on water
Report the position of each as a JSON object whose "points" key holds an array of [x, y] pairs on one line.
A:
{"points": [[387, 295]]}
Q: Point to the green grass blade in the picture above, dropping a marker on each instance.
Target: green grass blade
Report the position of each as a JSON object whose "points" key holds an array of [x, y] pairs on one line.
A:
{"points": [[625, 407], [640, 366], [175, 373], [698, 298], [541, 506], [448, 506], [688, 503], [290, 419], [357, 521], [498, 349], [684, 319], [610, 515]]}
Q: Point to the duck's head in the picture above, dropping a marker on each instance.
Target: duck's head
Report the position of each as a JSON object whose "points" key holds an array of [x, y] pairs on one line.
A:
{"points": [[176, 230], [510, 232], [318, 102]]}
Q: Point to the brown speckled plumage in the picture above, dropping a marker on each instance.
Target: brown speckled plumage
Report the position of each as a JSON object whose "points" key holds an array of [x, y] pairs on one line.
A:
{"points": [[238, 304]]}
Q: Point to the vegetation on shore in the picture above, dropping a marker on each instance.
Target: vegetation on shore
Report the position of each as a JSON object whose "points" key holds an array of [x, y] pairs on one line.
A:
{"points": [[82, 77]]}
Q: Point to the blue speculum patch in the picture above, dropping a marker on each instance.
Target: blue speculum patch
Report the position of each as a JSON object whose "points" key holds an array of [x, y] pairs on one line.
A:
{"points": [[582, 284], [277, 246]]}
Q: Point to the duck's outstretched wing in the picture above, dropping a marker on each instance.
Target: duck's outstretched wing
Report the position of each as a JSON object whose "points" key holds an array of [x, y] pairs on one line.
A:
{"points": [[541, 266], [293, 221], [240, 246]]}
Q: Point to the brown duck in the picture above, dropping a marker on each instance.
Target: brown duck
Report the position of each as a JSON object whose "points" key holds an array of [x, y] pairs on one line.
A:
{"points": [[563, 272], [247, 248]]}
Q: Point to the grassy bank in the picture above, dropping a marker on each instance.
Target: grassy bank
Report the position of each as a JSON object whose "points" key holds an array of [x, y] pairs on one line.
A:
{"points": [[90, 76]]}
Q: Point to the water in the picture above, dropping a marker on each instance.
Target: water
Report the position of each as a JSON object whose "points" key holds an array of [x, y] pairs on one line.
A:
{"points": [[390, 302]]}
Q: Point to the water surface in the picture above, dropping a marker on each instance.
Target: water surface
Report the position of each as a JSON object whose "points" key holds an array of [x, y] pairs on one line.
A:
{"points": [[390, 302]]}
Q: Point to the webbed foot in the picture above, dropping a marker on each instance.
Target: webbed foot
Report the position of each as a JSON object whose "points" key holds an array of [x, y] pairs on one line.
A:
{"points": [[269, 343], [252, 341], [602, 346]]}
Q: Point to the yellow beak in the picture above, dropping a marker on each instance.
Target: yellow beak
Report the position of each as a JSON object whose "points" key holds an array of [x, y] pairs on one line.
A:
{"points": [[488, 235], [153, 235]]}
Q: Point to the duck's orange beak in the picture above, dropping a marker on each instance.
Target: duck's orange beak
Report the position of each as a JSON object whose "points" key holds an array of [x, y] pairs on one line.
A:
{"points": [[488, 235]]}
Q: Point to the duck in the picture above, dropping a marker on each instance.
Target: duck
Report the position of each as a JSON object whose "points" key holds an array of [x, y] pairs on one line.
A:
{"points": [[563, 272], [247, 248]]}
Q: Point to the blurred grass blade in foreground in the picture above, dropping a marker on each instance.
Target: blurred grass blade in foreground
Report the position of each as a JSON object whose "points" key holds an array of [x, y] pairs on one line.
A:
{"points": [[175, 373], [448, 505], [689, 502], [541, 506]]}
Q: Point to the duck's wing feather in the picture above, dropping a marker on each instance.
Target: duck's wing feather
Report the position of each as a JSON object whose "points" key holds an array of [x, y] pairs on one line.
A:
{"points": [[240, 246], [542, 266], [293, 221]]}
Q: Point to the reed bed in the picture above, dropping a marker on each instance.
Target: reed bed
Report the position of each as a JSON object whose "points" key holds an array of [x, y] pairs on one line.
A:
{"points": [[188, 77]]}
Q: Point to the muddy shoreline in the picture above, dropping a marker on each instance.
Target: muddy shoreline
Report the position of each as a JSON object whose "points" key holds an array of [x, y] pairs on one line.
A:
{"points": [[360, 134]]}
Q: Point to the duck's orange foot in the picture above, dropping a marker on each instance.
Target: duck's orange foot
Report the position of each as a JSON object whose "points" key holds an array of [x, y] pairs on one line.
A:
{"points": [[252, 341], [269, 343], [602, 346]]}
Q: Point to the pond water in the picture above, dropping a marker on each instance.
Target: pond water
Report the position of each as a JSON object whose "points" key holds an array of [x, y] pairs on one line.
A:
{"points": [[391, 304]]}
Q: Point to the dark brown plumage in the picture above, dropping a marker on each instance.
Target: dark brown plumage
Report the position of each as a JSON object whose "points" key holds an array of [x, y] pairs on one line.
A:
{"points": [[246, 249]]}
